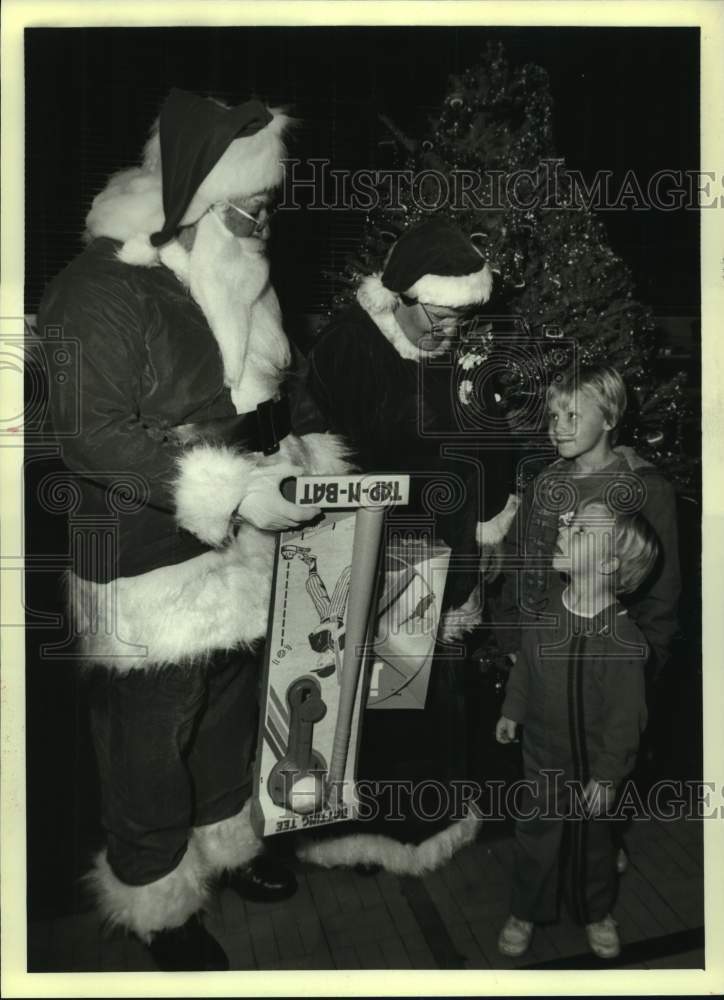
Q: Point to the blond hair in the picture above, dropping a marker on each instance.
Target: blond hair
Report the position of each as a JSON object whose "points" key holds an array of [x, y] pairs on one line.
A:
{"points": [[635, 545], [603, 384]]}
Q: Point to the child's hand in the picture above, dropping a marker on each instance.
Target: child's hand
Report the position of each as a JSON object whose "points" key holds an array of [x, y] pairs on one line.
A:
{"points": [[599, 796], [505, 730]]}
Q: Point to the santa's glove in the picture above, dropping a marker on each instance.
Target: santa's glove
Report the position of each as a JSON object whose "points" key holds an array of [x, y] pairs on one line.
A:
{"points": [[263, 504]]}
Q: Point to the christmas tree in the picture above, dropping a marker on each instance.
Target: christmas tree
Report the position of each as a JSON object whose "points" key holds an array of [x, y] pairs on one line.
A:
{"points": [[570, 295]]}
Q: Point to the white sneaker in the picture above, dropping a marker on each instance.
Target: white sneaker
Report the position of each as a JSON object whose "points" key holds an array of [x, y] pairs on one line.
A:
{"points": [[621, 861], [514, 939], [603, 938]]}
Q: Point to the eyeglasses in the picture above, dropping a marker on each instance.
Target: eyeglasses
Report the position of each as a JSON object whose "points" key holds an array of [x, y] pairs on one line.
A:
{"points": [[259, 224], [442, 319]]}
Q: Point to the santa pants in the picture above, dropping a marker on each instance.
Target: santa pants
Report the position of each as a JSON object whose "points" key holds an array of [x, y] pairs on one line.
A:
{"points": [[175, 747], [582, 862]]}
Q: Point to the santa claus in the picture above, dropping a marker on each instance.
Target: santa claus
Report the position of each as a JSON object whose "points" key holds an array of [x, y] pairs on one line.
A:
{"points": [[185, 435], [407, 374]]}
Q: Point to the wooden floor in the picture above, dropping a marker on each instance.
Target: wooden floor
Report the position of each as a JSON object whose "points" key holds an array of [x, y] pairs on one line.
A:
{"points": [[449, 920]]}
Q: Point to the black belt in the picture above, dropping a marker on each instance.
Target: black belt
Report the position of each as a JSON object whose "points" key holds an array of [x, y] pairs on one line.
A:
{"points": [[261, 429]]}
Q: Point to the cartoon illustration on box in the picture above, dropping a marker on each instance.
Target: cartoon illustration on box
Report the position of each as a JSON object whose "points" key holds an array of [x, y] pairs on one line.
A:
{"points": [[327, 638]]}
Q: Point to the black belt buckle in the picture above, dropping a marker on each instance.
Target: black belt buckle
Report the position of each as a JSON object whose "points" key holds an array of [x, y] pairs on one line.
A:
{"points": [[273, 421]]}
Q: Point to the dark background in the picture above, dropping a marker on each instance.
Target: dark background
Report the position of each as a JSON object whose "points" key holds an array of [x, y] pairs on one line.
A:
{"points": [[624, 99]]}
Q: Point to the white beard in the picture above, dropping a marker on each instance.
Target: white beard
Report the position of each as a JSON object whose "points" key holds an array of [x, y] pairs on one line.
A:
{"points": [[229, 278]]}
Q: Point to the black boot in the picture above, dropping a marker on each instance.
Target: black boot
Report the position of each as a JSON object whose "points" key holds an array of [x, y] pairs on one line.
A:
{"points": [[189, 948], [263, 880]]}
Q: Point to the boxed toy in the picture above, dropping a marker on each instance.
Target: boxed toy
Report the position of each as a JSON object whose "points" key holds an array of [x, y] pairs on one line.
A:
{"points": [[338, 607]]}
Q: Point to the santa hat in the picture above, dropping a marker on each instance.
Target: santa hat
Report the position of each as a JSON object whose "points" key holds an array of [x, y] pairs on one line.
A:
{"points": [[200, 152], [432, 262], [194, 134]]}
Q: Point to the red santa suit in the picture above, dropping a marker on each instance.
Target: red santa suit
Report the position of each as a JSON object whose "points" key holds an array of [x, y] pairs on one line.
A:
{"points": [[184, 437]]}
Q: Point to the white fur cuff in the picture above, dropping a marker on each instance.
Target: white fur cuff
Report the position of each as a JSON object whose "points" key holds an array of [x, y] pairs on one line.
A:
{"points": [[326, 454], [228, 844], [458, 622], [493, 532], [210, 485], [374, 297], [145, 909]]}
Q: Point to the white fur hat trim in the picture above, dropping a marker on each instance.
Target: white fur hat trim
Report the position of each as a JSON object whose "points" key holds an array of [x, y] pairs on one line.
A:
{"points": [[453, 291]]}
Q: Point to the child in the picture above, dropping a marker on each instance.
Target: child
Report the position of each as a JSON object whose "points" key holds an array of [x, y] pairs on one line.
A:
{"points": [[585, 410], [578, 687]]}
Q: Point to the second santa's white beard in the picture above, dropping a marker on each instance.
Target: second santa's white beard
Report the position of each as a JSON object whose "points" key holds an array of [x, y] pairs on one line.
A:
{"points": [[229, 278]]}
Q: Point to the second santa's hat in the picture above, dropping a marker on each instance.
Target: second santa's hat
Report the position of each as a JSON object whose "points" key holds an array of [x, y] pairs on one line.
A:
{"points": [[432, 262]]}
